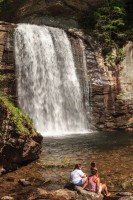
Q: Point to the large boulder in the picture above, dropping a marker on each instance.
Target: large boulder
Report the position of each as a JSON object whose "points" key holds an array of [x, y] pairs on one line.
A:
{"points": [[87, 194], [61, 194], [19, 141]]}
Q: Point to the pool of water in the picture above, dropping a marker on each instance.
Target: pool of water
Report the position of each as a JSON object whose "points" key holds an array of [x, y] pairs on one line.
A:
{"points": [[112, 152]]}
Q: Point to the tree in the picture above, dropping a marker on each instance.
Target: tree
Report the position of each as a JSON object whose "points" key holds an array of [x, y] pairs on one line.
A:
{"points": [[110, 22]]}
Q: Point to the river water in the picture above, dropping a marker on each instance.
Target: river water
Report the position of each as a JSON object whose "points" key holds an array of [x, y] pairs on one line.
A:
{"points": [[112, 152]]}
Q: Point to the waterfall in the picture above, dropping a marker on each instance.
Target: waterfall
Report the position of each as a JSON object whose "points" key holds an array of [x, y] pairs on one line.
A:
{"points": [[86, 82], [47, 85]]}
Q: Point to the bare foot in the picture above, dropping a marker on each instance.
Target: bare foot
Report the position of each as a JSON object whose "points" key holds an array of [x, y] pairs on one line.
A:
{"points": [[107, 195]]}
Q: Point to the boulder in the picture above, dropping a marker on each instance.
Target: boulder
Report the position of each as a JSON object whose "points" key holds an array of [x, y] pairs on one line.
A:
{"points": [[87, 194], [61, 194]]}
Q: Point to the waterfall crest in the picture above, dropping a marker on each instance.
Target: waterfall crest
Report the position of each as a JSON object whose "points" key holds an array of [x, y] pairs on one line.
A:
{"points": [[48, 88]]}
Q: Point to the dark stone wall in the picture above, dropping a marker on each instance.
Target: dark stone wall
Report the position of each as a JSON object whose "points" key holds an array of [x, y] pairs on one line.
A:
{"points": [[109, 102], [7, 61], [111, 107]]}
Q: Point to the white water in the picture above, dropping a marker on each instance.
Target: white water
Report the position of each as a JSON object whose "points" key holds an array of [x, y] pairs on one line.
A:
{"points": [[48, 88], [86, 78]]}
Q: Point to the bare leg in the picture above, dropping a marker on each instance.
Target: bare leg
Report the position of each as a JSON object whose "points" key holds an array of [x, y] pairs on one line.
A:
{"points": [[85, 182], [105, 190]]}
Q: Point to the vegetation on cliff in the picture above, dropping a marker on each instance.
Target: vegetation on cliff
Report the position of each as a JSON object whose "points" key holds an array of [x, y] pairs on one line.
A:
{"points": [[112, 21], [112, 25], [109, 30], [19, 121]]}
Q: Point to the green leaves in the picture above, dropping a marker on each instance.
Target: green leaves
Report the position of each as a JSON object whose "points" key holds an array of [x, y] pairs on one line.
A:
{"points": [[110, 19], [118, 11], [22, 123], [109, 29]]}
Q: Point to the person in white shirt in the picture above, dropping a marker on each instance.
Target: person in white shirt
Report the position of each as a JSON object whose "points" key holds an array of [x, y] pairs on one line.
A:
{"points": [[78, 177]]}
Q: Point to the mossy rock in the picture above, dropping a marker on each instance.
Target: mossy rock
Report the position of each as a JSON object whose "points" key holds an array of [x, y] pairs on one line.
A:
{"points": [[19, 141], [13, 119]]}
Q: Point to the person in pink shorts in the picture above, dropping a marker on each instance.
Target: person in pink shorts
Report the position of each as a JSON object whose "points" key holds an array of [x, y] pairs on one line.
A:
{"points": [[94, 184]]}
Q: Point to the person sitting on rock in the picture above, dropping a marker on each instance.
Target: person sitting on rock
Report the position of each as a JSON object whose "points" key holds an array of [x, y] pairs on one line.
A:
{"points": [[78, 177], [94, 184]]}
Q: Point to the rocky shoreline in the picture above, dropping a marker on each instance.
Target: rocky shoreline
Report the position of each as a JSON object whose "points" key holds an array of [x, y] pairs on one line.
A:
{"points": [[28, 192], [36, 182]]}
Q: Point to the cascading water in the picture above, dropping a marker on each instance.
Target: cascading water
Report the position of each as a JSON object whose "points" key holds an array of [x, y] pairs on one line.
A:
{"points": [[86, 80], [48, 88]]}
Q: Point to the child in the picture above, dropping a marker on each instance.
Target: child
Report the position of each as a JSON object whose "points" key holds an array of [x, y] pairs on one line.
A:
{"points": [[93, 166], [94, 184]]}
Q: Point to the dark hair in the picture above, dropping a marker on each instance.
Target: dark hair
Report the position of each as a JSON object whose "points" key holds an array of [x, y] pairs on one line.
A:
{"points": [[94, 171], [77, 166], [93, 164]]}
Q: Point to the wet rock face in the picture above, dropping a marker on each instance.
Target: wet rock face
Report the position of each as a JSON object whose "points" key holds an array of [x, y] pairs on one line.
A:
{"points": [[57, 13], [109, 101], [7, 67], [57, 7], [15, 148]]}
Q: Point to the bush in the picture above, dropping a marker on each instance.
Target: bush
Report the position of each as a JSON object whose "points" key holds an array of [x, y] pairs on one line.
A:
{"points": [[110, 23]]}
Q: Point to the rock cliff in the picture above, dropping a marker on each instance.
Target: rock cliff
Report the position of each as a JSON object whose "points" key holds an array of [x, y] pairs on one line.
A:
{"points": [[110, 90], [71, 8], [19, 142], [57, 13], [110, 97]]}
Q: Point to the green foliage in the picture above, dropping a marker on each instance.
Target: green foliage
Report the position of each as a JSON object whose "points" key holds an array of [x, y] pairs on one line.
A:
{"points": [[112, 28], [114, 57], [110, 23], [22, 123]]}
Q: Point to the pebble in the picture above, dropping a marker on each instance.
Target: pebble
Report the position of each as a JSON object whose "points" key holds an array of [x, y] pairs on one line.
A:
{"points": [[24, 182]]}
